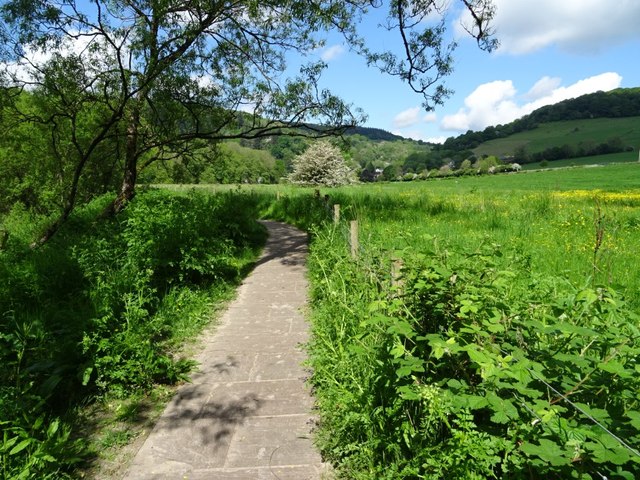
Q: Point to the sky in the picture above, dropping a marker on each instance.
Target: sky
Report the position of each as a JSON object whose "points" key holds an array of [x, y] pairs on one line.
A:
{"points": [[550, 50]]}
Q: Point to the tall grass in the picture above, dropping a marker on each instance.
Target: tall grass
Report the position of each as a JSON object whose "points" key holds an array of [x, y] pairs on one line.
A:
{"points": [[548, 217], [507, 347]]}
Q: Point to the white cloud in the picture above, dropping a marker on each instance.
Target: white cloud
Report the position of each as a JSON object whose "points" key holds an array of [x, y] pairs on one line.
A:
{"points": [[440, 139], [411, 116], [497, 102], [407, 118], [578, 26], [543, 87], [430, 117], [331, 53], [489, 104], [419, 135]]}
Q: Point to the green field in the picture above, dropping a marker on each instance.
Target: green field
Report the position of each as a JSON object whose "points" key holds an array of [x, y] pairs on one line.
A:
{"points": [[488, 327], [624, 157], [548, 216], [572, 132]]}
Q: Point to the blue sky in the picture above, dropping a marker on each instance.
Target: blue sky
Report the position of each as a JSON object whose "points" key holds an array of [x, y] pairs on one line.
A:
{"points": [[550, 50]]}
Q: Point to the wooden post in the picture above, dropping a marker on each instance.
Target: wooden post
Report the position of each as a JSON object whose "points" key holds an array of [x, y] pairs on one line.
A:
{"points": [[336, 213], [4, 237], [354, 239], [396, 275], [278, 195]]}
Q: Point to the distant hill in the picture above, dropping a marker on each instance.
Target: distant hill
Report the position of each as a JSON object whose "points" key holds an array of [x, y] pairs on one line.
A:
{"points": [[375, 134], [566, 139], [616, 104]]}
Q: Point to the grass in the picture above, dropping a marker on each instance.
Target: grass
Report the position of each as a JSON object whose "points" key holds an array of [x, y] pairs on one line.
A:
{"points": [[571, 132], [93, 322], [599, 160], [431, 379], [547, 217]]}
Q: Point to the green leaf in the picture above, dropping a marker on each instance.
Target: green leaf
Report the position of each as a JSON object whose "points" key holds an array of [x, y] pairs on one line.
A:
{"points": [[21, 446], [601, 454], [614, 367], [472, 402], [503, 409], [407, 392], [477, 355], [547, 450], [635, 419], [53, 428], [588, 296], [398, 350], [402, 328], [86, 376], [500, 417]]}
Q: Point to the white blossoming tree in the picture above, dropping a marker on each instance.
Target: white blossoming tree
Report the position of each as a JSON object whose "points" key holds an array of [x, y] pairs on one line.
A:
{"points": [[322, 164]]}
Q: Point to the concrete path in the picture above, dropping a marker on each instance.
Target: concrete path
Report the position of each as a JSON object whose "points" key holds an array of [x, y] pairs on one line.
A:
{"points": [[247, 412]]}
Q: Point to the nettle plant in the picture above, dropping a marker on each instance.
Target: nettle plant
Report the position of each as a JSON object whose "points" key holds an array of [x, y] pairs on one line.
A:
{"points": [[507, 383]]}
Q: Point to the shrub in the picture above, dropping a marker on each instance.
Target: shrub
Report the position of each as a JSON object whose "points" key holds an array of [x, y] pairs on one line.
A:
{"points": [[98, 309], [321, 164]]}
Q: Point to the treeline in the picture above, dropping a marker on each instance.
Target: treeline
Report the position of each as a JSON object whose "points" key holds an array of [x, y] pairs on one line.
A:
{"points": [[422, 161], [50, 166], [566, 151], [375, 134], [615, 104], [226, 163], [622, 102]]}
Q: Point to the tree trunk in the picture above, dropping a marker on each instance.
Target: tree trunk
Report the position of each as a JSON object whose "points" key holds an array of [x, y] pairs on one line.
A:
{"points": [[130, 174], [69, 205]]}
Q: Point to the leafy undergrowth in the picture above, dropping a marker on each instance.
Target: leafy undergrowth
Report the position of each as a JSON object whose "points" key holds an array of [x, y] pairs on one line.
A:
{"points": [[457, 372], [466, 364], [100, 311]]}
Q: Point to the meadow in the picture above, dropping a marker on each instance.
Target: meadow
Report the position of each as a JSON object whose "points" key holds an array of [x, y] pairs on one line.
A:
{"points": [[600, 160], [488, 327], [552, 217]]}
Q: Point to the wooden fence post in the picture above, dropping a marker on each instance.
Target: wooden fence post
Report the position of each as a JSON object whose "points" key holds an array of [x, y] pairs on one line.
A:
{"points": [[355, 246], [4, 237], [396, 273], [336, 213]]}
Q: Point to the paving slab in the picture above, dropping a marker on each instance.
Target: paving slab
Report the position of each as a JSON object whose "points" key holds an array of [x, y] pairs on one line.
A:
{"points": [[247, 414]]}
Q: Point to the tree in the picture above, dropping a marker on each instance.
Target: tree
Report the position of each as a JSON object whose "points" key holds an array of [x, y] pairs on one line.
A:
{"points": [[368, 173], [322, 164], [391, 173], [421, 160], [157, 75], [484, 164]]}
